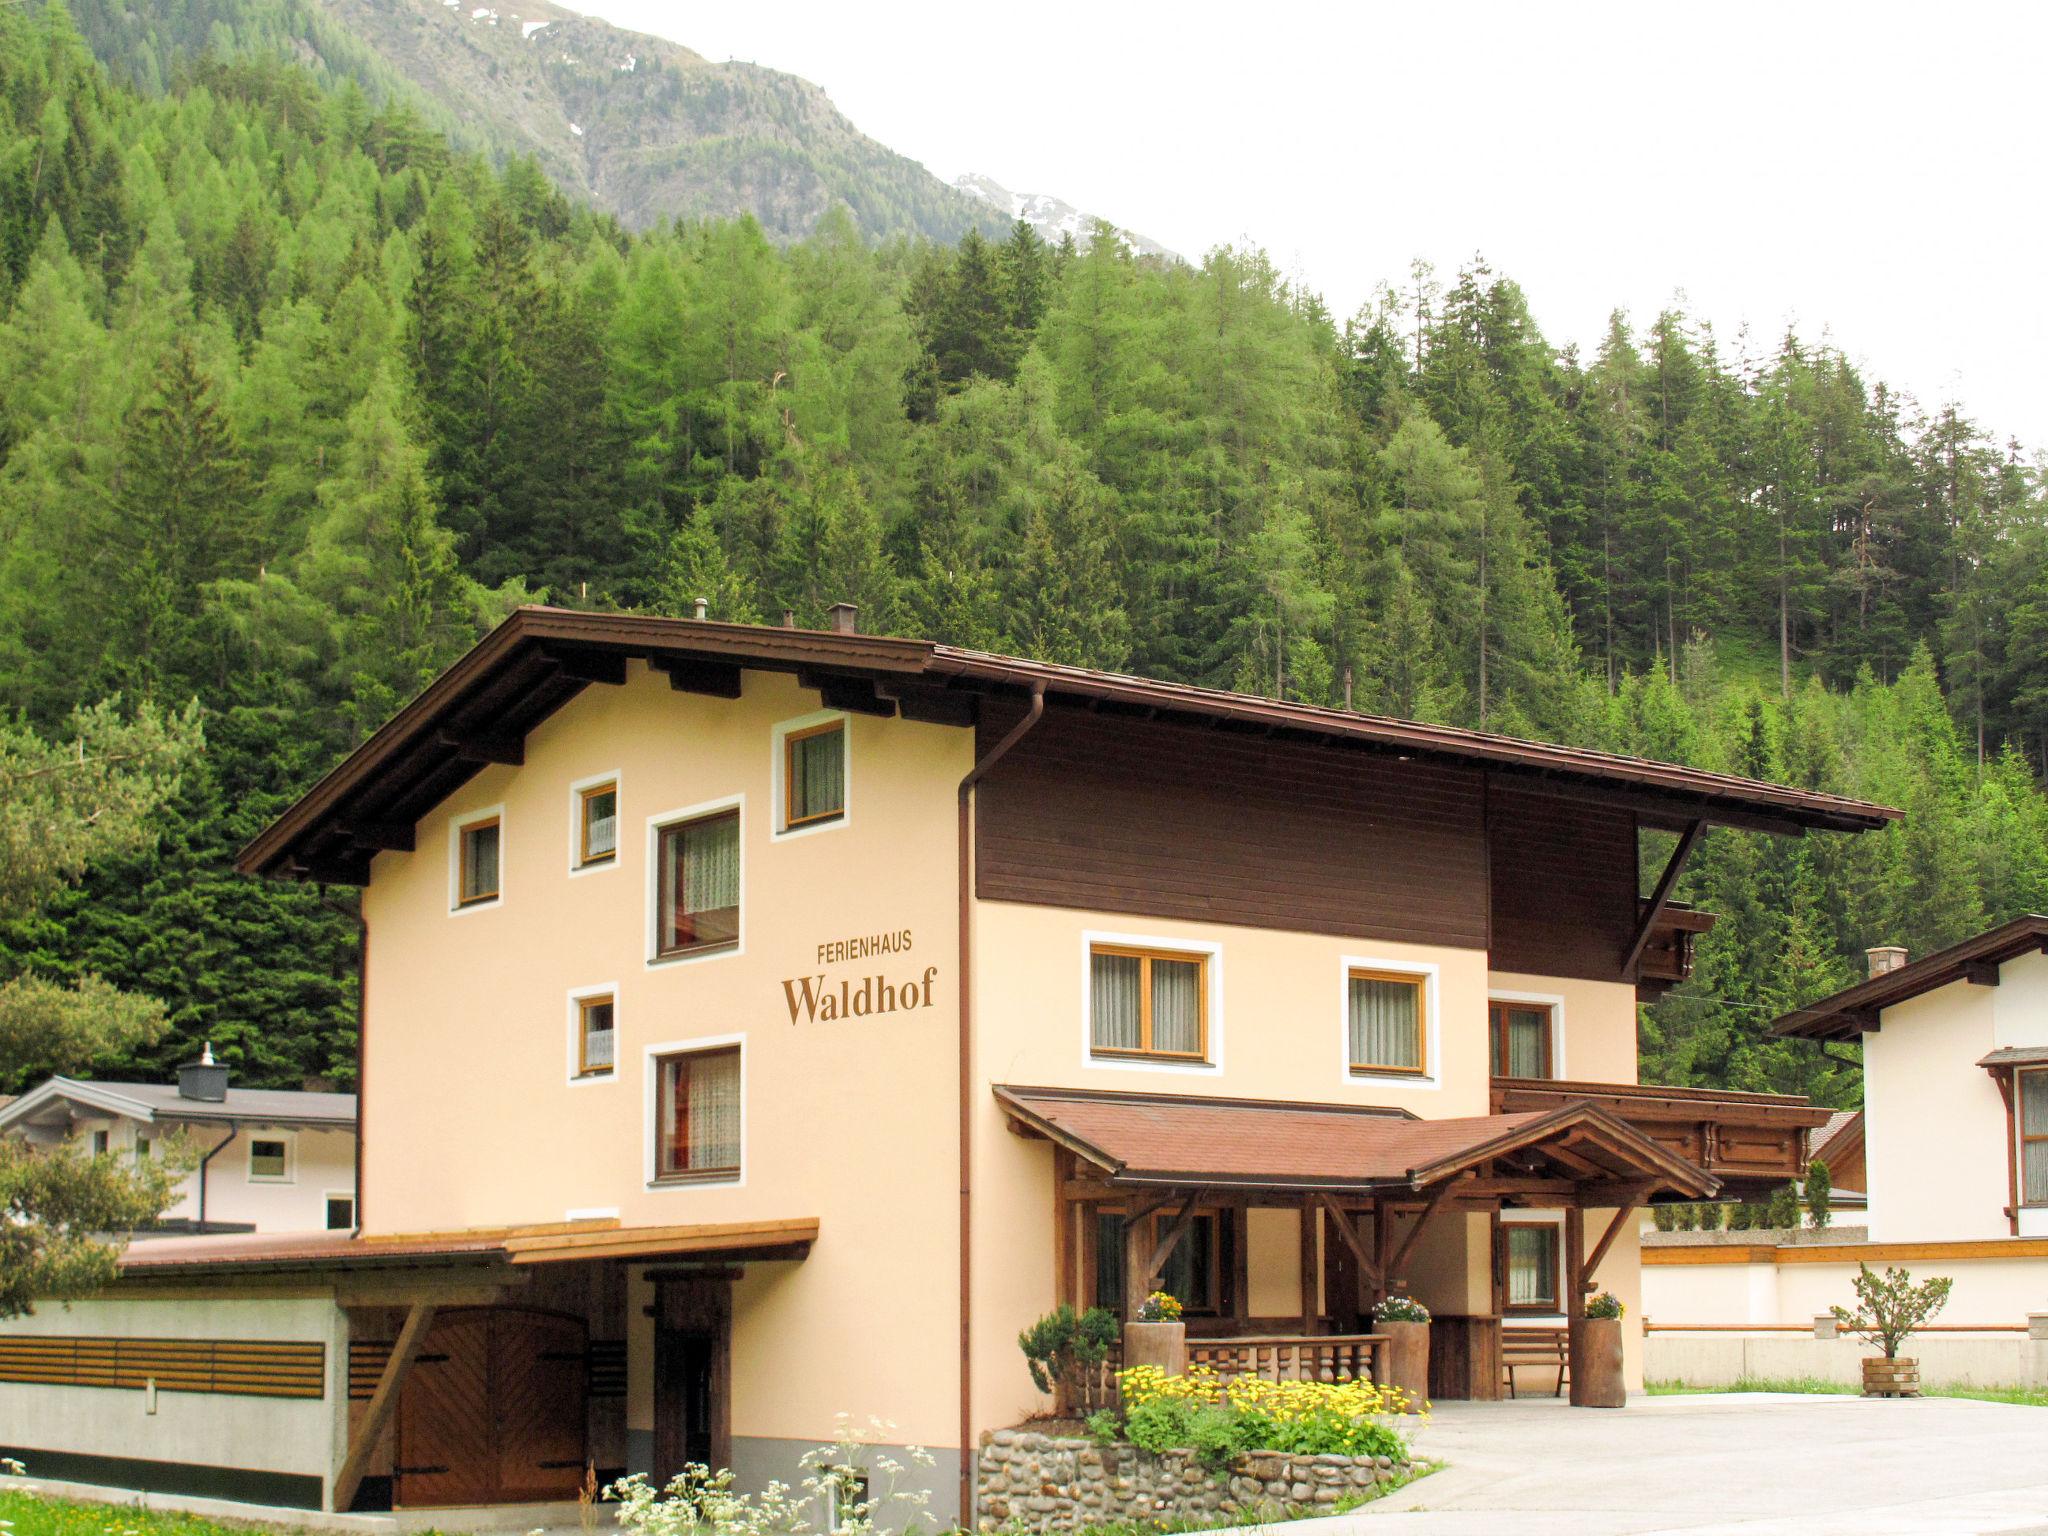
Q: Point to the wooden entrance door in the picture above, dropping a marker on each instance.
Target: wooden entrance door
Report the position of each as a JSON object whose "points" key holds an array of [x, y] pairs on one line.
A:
{"points": [[692, 1374], [494, 1411]]}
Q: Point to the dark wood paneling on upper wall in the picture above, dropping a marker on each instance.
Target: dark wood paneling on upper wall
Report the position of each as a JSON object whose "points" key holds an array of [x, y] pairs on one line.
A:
{"points": [[1178, 821], [1564, 884]]}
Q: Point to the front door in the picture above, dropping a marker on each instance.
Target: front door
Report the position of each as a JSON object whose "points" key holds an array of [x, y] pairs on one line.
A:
{"points": [[494, 1410], [692, 1374]]}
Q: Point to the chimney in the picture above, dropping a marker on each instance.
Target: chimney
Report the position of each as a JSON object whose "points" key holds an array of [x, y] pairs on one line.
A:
{"points": [[703, 608], [1885, 957], [843, 617], [789, 618], [204, 1079]]}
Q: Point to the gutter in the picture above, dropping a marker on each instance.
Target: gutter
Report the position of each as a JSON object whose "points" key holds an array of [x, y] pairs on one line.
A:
{"points": [[966, 1055], [218, 1147]]}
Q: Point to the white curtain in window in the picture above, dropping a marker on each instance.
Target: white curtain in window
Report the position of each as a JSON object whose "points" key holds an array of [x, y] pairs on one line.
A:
{"points": [[711, 865], [1177, 1006], [1114, 1000], [820, 775], [2033, 1088], [715, 1110], [1531, 1267], [602, 824], [1525, 1043], [1386, 1023]]}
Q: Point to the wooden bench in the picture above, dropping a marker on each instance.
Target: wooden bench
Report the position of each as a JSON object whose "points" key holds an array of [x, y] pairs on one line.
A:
{"points": [[1546, 1347]]}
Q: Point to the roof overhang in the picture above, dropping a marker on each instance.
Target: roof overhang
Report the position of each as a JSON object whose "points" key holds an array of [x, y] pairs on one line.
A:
{"points": [[313, 1253], [479, 712], [1855, 1011], [43, 1103], [1276, 1147]]}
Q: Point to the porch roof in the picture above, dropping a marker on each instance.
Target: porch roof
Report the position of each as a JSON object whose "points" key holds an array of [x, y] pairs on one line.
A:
{"points": [[272, 1252], [1249, 1144]]}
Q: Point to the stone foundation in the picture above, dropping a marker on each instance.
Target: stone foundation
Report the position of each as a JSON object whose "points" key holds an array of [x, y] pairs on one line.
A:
{"points": [[1035, 1482]]}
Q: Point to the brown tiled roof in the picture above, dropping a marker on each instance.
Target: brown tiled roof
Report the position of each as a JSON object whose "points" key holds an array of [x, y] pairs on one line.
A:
{"points": [[249, 1252], [1838, 1122], [1161, 1139], [539, 658], [1855, 1009]]}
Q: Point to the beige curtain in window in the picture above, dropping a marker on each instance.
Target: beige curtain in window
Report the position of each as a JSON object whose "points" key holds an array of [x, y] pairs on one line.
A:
{"points": [[820, 776], [480, 861], [1177, 1006], [1532, 1266], [2033, 1088], [1386, 1023], [711, 865], [715, 1110], [1525, 1028], [1114, 1001]]}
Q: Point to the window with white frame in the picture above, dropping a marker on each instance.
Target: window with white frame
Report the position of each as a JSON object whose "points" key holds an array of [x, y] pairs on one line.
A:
{"points": [[697, 1114], [1148, 1002], [697, 884], [270, 1159], [1387, 1022], [814, 775], [596, 1032], [1529, 1266], [341, 1212], [597, 824], [476, 861]]}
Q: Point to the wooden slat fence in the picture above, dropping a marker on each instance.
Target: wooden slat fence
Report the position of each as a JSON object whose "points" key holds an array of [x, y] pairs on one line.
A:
{"points": [[239, 1367]]}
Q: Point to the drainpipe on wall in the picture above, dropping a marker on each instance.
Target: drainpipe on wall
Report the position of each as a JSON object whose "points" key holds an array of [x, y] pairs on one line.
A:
{"points": [[362, 970], [966, 1054], [219, 1147]]}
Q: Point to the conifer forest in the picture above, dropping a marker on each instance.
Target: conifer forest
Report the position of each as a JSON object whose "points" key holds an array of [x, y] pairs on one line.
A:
{"points": [[296, 401]]}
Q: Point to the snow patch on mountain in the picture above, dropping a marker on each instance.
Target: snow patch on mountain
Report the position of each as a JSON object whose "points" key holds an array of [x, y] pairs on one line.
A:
{"points": [[1054, 218]]}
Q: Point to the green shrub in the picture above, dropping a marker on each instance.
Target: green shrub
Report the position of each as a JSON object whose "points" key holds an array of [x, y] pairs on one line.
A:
{"points": [[1784, 1206], [1062, 1338], [1666, 1217], [1820, 1191], [1710, 1218]]}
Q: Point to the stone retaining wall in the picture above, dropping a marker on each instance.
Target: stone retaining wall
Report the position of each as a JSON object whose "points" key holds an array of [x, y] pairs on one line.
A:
{"points": [[1036, 1482]]}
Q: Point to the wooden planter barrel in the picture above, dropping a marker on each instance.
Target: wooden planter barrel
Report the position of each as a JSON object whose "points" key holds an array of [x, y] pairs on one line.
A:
{"points": [[1407, 1359], [1597, 1380], [1164, 1345], [1891, 1378]]}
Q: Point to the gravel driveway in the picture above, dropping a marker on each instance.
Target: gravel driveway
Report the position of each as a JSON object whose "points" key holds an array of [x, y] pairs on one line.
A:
{"points": [[1744, 1464]]}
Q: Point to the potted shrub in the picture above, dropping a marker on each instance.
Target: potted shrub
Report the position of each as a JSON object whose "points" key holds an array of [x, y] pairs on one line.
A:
{"points": [[1889, 1308], [1598, 1381], [1062, 1348], [1405, 1322], [1157, 1336]]}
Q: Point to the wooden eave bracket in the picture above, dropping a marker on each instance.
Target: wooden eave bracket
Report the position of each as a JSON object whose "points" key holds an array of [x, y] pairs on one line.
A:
{"points": [[1660, 898], [1981, 973], [855, 695], [688, 674]]}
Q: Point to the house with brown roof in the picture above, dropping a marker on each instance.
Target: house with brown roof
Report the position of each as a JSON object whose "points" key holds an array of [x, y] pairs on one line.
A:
{"points": [[763, 1023], [1950, 1149]]}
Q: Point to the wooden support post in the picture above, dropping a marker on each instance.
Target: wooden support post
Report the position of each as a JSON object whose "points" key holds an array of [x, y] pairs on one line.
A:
{"points": [[1382, 1248], [1311, 1268], [1240, 1268], [1347, 1233], [1575, 1299], [1064, 1291], [1138, 1255], [383, 1405]]}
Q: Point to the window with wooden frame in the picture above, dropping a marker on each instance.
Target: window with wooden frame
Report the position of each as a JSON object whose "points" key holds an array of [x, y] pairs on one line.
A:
{"points": [[1529, 1268], [1387, 1022], [1148, 1002], [476, 876], [1520, 1035], [698, 1114], [595, 1050], [1192, 1274], [2030, 1106], [698, 884], [597, 824], [814, 775]]}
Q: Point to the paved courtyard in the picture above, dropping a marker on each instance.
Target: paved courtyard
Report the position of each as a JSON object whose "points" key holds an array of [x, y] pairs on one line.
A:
{"points": [[1744, 1464]]}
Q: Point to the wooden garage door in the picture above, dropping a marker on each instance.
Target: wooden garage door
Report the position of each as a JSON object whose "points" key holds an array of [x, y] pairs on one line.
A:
{"points": [[494, 1410]]}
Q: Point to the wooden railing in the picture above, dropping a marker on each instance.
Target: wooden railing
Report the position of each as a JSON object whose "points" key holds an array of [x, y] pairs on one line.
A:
{"points": [[1292, 1357]]}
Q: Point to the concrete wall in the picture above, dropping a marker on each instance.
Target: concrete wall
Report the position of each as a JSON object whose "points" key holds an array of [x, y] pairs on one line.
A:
{"points": [[196, 1429], [1935, 1132], [1722, 1359], [1794, 1285]]}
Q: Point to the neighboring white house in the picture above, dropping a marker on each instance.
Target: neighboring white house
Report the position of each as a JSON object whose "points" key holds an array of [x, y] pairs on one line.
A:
{"points": [[268, 1160], [1954, 1154]]}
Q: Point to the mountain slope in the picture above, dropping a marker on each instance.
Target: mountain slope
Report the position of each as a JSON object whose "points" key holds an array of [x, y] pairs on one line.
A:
{"points": [[1054, 218], [642, 128]]}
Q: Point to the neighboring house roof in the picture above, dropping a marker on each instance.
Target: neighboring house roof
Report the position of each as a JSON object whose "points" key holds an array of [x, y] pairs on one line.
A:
{"points": [[481, 708], [161, 1103], [1164, 1139], [1853, 1010], [1847, 1124]]}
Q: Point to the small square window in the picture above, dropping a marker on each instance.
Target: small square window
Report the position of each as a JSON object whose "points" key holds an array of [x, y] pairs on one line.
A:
{"points": [[595, 1051], [270, 1159], [597, 825], [99, 1143], [477, 874], [699, 890], [1384, 1023], [341, 1212], [814, 775], [699, 1114], [1147, 1003]]}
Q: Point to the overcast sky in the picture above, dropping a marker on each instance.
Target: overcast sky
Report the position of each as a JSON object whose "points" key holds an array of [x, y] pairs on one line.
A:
{"points": [[1870, 172]]}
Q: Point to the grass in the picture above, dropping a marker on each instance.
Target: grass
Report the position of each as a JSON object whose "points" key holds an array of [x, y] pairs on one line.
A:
{"points": [[2029, 1397], [27, 1514]]}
